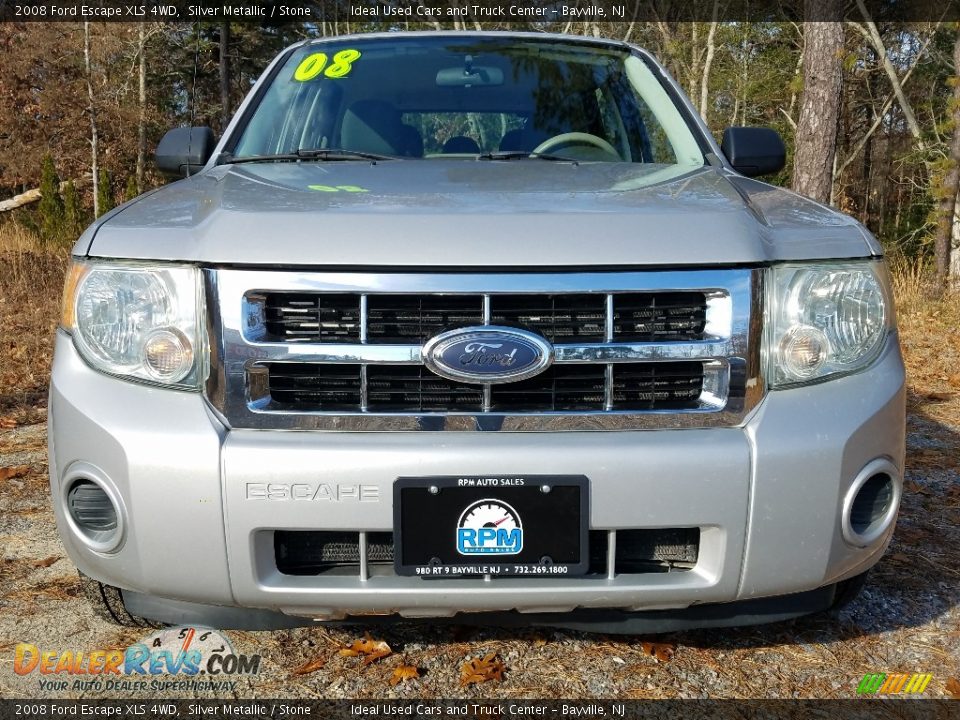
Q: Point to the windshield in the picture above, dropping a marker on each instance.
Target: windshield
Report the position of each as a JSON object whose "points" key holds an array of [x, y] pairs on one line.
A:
{"points": [[467, 97]]}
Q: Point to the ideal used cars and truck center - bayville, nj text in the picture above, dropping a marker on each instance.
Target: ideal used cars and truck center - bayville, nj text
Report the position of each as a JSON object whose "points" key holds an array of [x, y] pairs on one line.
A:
{"points": [[474, 325]]}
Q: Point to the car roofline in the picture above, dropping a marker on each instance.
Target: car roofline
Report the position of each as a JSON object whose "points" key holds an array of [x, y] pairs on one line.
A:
{"points": [[525, 35]]}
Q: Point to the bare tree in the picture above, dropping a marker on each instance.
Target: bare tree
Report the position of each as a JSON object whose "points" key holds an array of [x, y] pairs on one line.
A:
{"points": [[141, 106], [888, 103], [947, 204], [224, 75], [872, 35], [708, 61], [92, 111], [816, 138]]}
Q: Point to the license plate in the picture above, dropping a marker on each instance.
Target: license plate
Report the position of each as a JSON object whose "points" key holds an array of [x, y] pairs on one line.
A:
{"points": [[460, 526]]}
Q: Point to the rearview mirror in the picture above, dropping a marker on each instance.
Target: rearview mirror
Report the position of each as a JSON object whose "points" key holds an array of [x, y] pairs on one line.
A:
{"points": [[461, 77], [754, 151], [185, 150]]}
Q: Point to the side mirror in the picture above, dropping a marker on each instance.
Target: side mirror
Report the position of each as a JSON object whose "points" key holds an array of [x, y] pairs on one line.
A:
{"points": [[184, 150], [754, 151]]}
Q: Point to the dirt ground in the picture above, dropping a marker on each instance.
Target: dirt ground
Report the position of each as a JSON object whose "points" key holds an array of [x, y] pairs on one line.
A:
{"points": [[906, 620]]}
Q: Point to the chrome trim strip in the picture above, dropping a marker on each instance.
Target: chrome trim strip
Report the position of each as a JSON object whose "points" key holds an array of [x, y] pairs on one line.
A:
{"points": [[608, 338], [258, 353], [730, 349], [362, 550], [364, 388], [237, 283], [611, 554], [608, 388], [608, 320], [363, 319]]}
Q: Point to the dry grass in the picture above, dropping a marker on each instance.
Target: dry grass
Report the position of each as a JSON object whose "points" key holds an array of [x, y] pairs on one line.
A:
{"points": [[928, 324], [31, 282]]}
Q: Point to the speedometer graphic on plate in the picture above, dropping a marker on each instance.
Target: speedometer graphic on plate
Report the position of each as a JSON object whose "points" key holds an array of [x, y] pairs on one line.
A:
{"points": [[489, 527]]}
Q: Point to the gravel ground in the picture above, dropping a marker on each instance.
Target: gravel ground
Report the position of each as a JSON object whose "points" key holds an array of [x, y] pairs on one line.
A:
{"points": [[907, 619]]}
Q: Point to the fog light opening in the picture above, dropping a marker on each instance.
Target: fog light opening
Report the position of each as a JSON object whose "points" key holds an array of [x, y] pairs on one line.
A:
{"points": [[871, 504], [94, 513]]}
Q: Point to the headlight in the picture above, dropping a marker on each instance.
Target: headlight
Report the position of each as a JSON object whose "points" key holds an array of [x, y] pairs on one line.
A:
{"points": [[137, 321], [826, 319]]}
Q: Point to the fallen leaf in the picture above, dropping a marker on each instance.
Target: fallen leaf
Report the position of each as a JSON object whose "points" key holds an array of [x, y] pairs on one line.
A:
{"points": [[940, 396], [404, 672], [901, 558], [915, 487], [663, 652], [953, 687], [371, 650], [7, 423], [955, 380], [309, 666], [46, 562], [480, 670], [11, 472]]}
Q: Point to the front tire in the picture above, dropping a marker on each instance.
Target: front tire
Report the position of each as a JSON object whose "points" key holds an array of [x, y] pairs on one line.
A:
{"points": [[847, 591], [107, 603]]}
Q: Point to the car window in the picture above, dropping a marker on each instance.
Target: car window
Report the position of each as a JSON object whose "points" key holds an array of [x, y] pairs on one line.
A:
{"points": [[462, 132], [457, 97]]}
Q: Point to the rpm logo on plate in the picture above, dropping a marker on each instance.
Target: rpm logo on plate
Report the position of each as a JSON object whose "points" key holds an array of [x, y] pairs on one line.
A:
{"points": [[489, 527]]}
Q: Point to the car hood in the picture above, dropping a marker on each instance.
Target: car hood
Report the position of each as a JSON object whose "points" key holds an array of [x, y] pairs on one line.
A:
{"points": [[464, 213]]}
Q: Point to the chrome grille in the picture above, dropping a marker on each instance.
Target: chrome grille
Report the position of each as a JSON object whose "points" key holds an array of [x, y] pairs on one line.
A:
{"points": [[414, 388], [318, 387], [660, 316], [343, 351], [304, 317], [561, 318], [417, 318]]}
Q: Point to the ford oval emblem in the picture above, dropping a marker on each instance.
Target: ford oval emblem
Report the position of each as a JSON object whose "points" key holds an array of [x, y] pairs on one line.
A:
{"points": [[487, 354]]}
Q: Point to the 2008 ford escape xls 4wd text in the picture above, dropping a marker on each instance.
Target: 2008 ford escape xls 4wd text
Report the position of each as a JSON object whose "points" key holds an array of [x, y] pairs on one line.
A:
{"points": [[481, 325]]}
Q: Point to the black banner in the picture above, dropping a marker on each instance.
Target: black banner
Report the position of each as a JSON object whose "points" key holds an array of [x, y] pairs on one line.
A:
{"points": [[859, 709], [551, 15]]}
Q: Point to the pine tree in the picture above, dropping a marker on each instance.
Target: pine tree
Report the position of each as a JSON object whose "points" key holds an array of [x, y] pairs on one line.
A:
{"points": [[131, 190], [72, 211], [105, 201], [51, 203]]}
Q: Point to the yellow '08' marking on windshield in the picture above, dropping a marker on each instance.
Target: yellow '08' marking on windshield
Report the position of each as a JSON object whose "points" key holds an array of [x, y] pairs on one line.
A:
{"points": [[316, 63], [337, 188]]}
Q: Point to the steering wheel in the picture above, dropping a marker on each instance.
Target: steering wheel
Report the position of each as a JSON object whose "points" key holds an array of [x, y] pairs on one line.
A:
{"points": [[576, 138]]}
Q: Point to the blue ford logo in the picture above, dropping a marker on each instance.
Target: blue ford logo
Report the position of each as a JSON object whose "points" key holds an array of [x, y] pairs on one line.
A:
{"points": [[487, 354]]}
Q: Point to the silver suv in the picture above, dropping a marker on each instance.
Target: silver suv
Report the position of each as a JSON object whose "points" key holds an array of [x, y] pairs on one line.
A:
{"points": [[474, 325]]}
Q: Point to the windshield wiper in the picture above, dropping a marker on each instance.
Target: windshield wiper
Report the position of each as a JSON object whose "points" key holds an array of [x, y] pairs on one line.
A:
{"points": [[524, 155], [320, 154]]}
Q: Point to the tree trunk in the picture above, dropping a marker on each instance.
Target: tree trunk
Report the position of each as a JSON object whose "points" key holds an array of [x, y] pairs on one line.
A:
{"points": [[224, 75], [94, 139], [694, 60], [946, 207], [33, 195], [955, 252], [817, 128], [708, 62], [142, 103]]}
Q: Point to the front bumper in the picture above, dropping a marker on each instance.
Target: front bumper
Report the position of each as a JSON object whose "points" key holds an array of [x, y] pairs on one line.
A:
{"points": [[767, 497]]}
